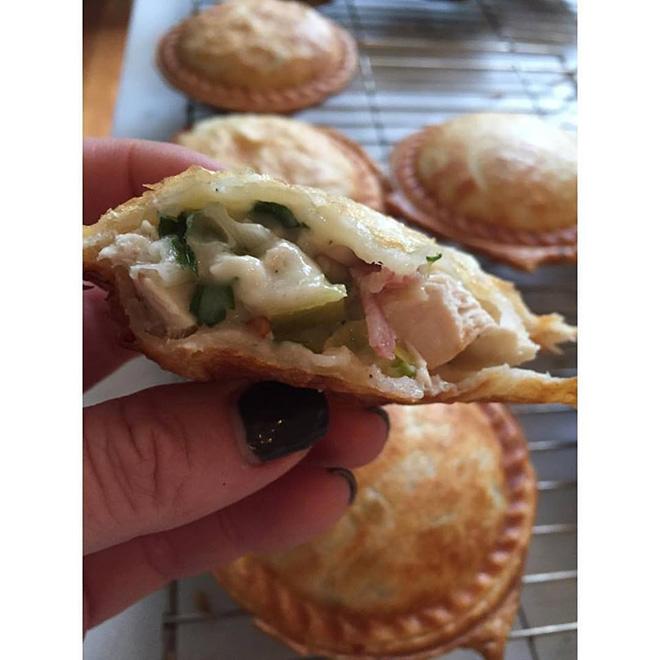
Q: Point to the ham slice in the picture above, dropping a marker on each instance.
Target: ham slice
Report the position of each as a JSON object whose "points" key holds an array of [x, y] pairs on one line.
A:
{"points": [[377, 278], [381, 336]]}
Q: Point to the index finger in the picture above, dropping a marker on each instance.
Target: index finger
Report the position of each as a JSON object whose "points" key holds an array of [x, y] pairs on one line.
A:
{"points": [[114, 170]]}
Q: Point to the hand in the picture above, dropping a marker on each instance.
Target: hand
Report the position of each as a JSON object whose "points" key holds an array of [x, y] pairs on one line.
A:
{"points": [[175, 480]]}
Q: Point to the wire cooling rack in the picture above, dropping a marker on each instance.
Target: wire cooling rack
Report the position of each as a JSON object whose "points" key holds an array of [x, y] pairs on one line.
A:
{"points": [[423, 62]]}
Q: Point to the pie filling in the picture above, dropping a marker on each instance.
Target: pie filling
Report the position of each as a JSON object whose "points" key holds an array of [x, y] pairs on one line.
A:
{"points": [[269, 274]]}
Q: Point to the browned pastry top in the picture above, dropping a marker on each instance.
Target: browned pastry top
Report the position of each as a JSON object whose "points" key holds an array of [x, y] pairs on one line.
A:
{"points": [[514, 171], [259, 43], [504, 185], [258, 55], [290, 150], [434, 542]]}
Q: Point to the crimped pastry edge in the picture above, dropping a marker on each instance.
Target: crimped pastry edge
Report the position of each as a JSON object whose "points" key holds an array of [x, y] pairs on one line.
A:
{"points": [[374, 194], [434, 629], [246, 100], [520, 248]]}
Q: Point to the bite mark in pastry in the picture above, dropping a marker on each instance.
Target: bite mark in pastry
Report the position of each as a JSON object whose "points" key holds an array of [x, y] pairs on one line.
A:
{"points": [[505, 185], [258, 56], [428, 557], [222, 273], [290, 150]]}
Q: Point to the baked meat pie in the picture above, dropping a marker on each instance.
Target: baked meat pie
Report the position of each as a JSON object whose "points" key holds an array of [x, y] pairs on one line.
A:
{"points": [[290, 150], [258, 56], [505, 185], [217, 273], [429, 556]]}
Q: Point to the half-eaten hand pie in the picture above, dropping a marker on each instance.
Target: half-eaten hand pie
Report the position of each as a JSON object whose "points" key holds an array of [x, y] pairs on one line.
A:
{"points": [[258, 56], [290, 150], [428, 557], [505, 185], [221, 272]]}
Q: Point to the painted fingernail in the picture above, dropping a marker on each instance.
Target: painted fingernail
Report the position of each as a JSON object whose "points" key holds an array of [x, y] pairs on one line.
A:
{"points": [[349, 477], [382, 413], [279, 419]]}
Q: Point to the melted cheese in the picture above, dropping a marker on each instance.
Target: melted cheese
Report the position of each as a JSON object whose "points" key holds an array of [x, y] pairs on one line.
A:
{"points": [[283, 280], [275, 277]]}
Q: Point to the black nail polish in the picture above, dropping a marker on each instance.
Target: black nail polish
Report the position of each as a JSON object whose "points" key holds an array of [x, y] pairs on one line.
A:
{"points": [[382, 413], [279, 419], [350, 480]]}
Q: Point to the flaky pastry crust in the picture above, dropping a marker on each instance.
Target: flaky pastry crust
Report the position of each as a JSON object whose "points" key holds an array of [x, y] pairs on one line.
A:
{"points": [[429, 556], [258, 56], [504, 185], [212, 353], [290, 150]]}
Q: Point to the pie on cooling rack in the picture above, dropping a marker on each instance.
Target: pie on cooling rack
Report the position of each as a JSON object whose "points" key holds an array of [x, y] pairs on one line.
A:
{"points": [[427, 559], [218, 272], [505, 185], [290, 150], [258, 56]]}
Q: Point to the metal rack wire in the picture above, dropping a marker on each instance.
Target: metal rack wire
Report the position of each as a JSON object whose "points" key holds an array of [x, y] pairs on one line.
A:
{"points": [[423, 61]]}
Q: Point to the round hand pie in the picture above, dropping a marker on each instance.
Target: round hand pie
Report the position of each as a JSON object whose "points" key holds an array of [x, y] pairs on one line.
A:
{"points": [[258, 55], [505, 185], [427, 559], [290, 150]]}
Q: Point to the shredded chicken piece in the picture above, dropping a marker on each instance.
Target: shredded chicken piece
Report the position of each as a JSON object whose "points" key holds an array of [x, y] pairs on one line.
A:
{"points": [[440, 318]]}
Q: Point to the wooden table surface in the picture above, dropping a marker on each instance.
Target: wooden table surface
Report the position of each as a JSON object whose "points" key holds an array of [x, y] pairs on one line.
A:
{"points": [[105, 23]]}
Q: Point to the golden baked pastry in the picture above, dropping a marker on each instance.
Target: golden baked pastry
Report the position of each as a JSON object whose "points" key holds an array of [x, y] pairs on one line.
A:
{"points": [[258, 56], [290, 150], [217, 272], [429, 556], [505, 185]]}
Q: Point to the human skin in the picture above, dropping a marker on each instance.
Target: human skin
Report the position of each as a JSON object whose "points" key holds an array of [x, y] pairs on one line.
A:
{"points": [[170, 487]]}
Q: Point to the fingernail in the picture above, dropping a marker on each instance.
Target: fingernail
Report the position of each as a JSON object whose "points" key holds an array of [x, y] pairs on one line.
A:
{"points": [[382, 413], [279, 419], [349, 477]]}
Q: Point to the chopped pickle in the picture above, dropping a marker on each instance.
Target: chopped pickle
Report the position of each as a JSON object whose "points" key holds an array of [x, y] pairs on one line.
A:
{"points": [[354, 309], [313, 338], [402, 364], [310, 327], [434, 258], [278, 211], [210, 303], [353, 335], [399, 368], [328, 314]]}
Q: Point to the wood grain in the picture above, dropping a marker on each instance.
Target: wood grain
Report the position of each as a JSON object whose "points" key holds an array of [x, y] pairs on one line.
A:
{"points": [[105, 24]]}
